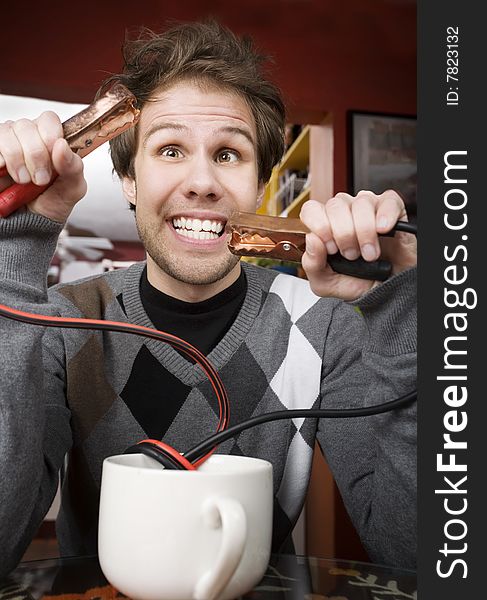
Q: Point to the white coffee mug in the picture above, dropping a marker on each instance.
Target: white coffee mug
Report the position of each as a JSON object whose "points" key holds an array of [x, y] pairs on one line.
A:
{"points": [[182, 535]]}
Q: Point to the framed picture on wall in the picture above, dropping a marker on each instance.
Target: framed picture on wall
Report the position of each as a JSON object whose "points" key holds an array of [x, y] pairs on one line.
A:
{"points": [[383, 155]]}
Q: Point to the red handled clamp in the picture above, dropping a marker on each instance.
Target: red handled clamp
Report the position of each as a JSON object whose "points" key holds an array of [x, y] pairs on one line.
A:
{"points": [[108, 116]]}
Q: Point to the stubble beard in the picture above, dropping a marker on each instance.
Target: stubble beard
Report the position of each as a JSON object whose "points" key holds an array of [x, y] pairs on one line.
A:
{"points": [[200, 271]]}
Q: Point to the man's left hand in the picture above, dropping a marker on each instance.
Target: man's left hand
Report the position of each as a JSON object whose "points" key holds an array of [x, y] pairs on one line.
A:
{"points": [[351, 226]]}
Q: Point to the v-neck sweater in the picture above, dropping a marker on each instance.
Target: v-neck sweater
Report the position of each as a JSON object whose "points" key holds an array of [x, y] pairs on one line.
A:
{"points": [[77, 392]]}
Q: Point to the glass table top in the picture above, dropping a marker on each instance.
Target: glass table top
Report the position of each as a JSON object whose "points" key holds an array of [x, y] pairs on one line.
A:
{"points": [[287, 577]]}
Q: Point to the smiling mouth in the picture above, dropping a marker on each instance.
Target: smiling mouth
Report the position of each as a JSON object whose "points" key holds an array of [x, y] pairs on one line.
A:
{"points": [[198, 229]]}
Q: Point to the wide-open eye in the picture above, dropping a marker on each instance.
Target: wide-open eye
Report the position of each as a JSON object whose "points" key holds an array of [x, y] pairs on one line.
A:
{"points": [[170, 152], [228, 156]]}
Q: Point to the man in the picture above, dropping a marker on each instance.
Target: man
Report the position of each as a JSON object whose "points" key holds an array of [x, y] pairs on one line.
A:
{"points": [[209, 133]]}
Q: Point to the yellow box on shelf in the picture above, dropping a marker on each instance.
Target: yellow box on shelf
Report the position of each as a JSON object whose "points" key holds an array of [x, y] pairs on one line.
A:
{"points": [[297, 159], [295, 207], [297, 155]]}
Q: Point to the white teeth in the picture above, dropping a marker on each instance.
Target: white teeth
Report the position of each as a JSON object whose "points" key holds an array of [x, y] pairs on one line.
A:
{"points": [[197, 229]]}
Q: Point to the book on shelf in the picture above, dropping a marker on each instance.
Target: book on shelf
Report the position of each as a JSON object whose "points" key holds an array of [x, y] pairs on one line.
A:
{"points": [[291, 185]]}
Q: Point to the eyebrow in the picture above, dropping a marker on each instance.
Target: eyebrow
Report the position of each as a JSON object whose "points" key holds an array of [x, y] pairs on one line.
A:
{"points": [[238, 131], [159, 126], [179, 127]]}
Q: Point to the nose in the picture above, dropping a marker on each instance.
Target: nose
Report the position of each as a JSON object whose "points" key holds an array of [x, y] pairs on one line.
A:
{"points": [[202, 179]]}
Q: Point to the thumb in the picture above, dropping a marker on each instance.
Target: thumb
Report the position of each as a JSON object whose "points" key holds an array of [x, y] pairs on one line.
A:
{"points": [[69, 187], [66, 163]]}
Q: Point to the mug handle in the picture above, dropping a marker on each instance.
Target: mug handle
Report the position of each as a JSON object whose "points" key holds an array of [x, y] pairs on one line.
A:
{"points": [[228, 514]]}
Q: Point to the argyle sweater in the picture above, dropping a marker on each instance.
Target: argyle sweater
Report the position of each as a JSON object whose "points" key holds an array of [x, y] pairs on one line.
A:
{"points": [[62, 391]]}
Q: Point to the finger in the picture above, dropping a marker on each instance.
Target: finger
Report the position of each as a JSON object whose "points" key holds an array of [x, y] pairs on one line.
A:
{"points": [[390, 209], [66, 162], [4, 125], [70, 186], [314, 260], [12, 154], [69, 166], [36, 154], [50, 128], [363, 214], [342, 225], [5, 182], [313, 215]]}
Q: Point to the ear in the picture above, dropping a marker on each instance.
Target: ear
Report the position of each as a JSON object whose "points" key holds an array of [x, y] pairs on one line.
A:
{"points": [[129, 190], [260, 194]]}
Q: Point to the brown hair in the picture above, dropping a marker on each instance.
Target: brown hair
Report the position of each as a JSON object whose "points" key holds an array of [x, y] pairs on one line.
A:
{"points": [[206, 53]]}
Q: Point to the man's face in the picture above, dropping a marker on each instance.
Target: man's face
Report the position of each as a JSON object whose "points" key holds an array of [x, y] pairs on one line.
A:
{"points": [[196, 163]]}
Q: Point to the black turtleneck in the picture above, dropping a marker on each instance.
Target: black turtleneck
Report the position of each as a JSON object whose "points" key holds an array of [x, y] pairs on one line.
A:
{"points": [[152, 393], [202, 324]]}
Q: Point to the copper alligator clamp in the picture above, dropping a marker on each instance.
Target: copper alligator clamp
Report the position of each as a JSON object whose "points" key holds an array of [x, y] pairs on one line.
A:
{"points": [[285, 239], [108, 116]]}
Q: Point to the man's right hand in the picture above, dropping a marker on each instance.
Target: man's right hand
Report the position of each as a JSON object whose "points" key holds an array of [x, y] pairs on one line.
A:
{"points": [[32, 150]]}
